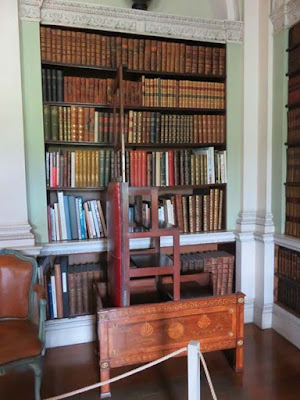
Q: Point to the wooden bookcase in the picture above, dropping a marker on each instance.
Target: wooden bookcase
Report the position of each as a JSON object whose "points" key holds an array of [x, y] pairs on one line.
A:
{"points": [[195, 63], [70, 95]]}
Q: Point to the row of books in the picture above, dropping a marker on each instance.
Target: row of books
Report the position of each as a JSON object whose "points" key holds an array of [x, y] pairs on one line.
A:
{"points": [[84, 124], [52, 84], [289, 295], [176, 167], [72, 219], [294, 35], [294, 90], [71, 47], [289, 263], [293, 165], [159, 92], [294, 60], [194, 213], [154, 127], [292, 222], [294, 126], [79, 168], [219, 263], [79, 124], [68, 288]]}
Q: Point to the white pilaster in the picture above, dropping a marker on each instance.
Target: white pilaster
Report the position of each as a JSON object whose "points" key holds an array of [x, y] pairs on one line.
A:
{"points": [[14, 227], [255, 244]]}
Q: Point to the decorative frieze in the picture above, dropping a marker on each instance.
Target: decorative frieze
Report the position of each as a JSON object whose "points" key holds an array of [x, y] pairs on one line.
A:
{"points": [[95, 16], [285, 14]]}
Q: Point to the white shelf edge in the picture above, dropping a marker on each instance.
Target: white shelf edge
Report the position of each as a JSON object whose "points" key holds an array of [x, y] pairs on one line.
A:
{"points": [[100, 245], [286, 324], [289, 242]]}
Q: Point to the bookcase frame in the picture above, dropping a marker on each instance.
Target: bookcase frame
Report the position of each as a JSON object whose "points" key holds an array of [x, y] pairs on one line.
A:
{"points": [[112, 72]]}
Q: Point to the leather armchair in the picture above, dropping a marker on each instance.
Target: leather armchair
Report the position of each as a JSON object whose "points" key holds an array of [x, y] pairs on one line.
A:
{"points": [[21, 340]]}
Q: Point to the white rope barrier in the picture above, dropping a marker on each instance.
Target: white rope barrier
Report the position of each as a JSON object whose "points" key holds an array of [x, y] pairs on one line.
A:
{"points": [[135, 371], [117, 378]]}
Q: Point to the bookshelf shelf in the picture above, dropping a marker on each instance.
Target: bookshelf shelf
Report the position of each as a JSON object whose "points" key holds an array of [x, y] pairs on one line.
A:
{"points": [[130, 73], [171, 110], [76, 189], [138, 145], [70, 143]]}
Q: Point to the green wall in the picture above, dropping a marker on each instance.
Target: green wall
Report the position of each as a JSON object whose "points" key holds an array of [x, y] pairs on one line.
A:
{"points": [[34, 145], [33, 127], [280, 90], [234, 131]]}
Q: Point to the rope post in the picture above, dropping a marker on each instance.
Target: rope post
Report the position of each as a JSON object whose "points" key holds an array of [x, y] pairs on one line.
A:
{"points": [[193, 370]]}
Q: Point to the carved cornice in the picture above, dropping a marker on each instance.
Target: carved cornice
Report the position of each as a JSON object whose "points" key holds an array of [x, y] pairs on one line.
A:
{"points": [[94, 16], [286, 15], [13, 236]]}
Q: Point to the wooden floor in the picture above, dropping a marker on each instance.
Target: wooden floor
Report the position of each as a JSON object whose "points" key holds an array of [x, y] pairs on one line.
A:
{"points": [[272, 372]]}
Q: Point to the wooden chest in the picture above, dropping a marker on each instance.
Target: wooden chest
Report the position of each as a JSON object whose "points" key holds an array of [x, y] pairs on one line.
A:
{"points": [[142, 333]]}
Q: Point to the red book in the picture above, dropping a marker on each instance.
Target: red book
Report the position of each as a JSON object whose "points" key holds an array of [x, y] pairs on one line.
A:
{"points": [[132, 181], [171, 167], [144, 169], [54, 176]]}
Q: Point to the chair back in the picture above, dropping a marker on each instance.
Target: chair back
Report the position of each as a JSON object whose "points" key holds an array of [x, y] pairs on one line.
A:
{"points": [[17, 276]]}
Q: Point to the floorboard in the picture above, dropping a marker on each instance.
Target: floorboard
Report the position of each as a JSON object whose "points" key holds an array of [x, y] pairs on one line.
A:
{"points": [[272, 372]]}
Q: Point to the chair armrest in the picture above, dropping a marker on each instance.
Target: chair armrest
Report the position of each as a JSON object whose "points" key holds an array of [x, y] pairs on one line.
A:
{"points": [[40, 291], [42, 319]]}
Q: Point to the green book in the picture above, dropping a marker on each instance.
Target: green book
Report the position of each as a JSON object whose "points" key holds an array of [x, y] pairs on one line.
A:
{"points": [[47, 122], [162, 170], [101, 168], [107, 167], [54, 122]]}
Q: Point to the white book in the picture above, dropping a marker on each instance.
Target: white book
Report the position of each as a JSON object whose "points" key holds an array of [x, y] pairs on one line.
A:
{"points": [[52, 221], [224, 166], [56, 215], [73, 169], [51, 168], [95, 220], [212, 165], [58, 183], [92, 225], [53, 291], [78, 218], [96, 136], [167, 168], [98, 217], [62, 215], [170, 212]]}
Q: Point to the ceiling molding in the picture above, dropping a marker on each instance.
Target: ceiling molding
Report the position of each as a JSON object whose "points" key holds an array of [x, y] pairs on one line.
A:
{"points": [[286, 15], [94, 16]]}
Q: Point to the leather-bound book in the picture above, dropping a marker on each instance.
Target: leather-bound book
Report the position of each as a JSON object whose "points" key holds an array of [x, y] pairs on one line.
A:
{"points": [[60, 123], [182, 48], [73, 47], [215, 60], [194, 59], [208, 61], [63, 46], [83, 48], [118, 51], [54, 122], [135, 57], [124, 44], [230, 275], [164, 56], [177, 58], [141, 54], [58, 286], [74, 124], [220, 211], [158, 55], [60, 86], [47, 122], [147, 55], [188, 59], [192, 211], [222, 61], [153, 54], [69, 47], [98, 50], [78, 48], [198, 219], [113, 46], [108, 51], [71, 291], [53, 44], [78, 289], [130, 53], [43, 43], [58, 49], [85, 289]]}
